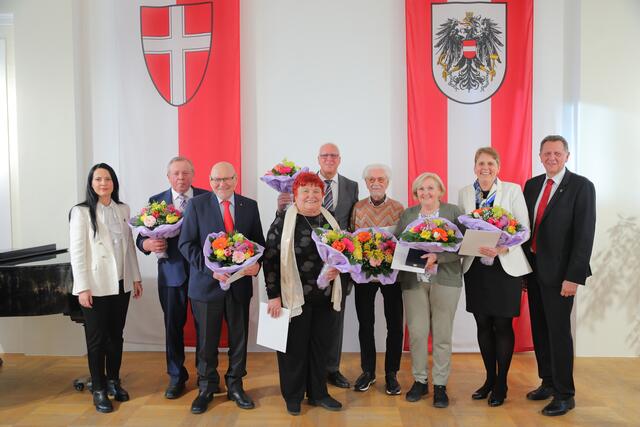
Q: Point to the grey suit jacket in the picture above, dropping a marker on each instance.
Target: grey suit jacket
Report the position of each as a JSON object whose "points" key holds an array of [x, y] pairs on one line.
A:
{"points": [[347, 197], [449, 263]]}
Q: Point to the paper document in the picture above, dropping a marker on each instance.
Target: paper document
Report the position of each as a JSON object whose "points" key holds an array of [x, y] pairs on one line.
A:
{"points": [[400, 260], [473, 240], [272, 333]]}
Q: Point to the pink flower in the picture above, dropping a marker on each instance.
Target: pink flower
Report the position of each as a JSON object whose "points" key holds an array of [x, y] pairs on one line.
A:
{"points": [[374, 262], [149, 221], [238, 257], [348, 244], [228, 251]]}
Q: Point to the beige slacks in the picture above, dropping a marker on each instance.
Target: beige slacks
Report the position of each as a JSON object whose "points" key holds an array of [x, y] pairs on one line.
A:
{"points": [[430, 306]]}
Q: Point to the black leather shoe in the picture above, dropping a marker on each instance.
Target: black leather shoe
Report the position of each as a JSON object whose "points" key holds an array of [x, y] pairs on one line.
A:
{"points": [[115, 389], [440, 398], [541, 393], [417, 391], [201, 402], [559, 407], [338, 380], [328, 403], [174, 391], [364, 381], [392, 387], [102, 402], [293, 408], [496, 399], [241, 398], [482, 392]]}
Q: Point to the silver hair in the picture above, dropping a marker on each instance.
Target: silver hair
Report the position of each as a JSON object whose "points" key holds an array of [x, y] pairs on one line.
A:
{"points": [[368, 168], [418, 182], [180, 159]]}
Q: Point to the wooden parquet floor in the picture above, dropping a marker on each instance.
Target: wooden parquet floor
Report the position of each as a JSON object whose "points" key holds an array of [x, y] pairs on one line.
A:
{"points": [[37, 391]]}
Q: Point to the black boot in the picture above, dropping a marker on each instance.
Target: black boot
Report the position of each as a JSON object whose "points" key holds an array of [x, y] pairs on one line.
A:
{"points": [[102, 402], [115, 389]]}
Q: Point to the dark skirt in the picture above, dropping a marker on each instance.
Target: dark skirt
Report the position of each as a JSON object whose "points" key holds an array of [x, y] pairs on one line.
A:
{"points": [[491, 291]]}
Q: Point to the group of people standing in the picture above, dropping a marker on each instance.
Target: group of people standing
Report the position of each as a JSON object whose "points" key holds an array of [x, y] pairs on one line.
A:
{"points": [[558, 207]]}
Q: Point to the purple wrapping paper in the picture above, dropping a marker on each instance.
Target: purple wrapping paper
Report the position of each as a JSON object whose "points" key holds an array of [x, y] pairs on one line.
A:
{"points": [[331, 258], [434, 247], [216, 267], [282, 183], [165, 231], [361, 276], [506, 239]]}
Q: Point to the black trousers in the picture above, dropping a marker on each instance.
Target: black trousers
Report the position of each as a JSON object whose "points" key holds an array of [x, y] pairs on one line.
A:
{"points": [[551, 331], [174, 302], [335, 344], [303, 368], [208, 321], [365, 296], [103, 326]]}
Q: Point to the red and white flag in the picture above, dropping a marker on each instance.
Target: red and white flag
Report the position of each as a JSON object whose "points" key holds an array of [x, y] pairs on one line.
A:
{"points": [[469, 85]]}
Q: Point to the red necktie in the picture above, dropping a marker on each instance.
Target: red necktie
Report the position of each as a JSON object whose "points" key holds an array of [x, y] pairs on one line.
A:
{"points": [[540, 212], [228, 219]]}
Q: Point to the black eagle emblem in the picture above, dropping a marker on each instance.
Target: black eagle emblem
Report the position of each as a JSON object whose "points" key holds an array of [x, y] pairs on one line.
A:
{"points": [[468, 51]]}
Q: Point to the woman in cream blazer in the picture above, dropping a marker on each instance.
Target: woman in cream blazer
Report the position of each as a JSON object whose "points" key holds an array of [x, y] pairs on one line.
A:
{"points": [[493, 291], [105, 271]]}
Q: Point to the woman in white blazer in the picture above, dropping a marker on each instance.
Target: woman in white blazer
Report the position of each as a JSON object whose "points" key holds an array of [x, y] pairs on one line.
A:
{"points": [[105, 271], [493, 291]]}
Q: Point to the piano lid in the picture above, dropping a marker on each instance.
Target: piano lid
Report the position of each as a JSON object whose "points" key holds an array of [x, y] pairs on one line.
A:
{"points": [[7, 255]]}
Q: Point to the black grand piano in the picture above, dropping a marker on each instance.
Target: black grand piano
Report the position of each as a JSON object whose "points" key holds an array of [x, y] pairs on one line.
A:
{"points": [[37, 281]]}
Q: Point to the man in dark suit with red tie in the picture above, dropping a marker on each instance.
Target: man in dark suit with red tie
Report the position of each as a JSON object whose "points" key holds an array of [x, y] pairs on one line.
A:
{"points": [[173, 273], [222, 210], [562, 211]]}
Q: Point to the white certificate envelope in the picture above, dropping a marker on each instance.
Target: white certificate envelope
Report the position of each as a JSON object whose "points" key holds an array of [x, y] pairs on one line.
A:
{"points": [[272, 333], [400, 260], [235, 276], [473, 240]]}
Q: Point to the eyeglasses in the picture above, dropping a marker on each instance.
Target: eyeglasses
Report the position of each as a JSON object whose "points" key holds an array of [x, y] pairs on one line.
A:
{"points": [[380, 180], [329, 156], [223, 179]]}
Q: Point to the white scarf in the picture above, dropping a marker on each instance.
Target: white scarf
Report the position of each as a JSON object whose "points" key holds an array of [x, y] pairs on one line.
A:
{"points": [[290, 283]]}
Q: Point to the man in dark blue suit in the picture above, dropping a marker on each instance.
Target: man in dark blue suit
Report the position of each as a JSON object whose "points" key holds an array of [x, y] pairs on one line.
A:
{"points": [[173, 273], [562, 211], [222, 210]]}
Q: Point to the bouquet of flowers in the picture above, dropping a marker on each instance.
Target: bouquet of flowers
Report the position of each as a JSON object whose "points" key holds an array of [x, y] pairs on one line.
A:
{"points": [[281, 176], [496, 218], [230, 253], [337, 250], [432, 235], [374, 250], [158, 220]]}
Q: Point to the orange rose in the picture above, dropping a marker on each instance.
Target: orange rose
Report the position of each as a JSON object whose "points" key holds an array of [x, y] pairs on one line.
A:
{"points": [[338, 245], [220, 243], [364, 236]]}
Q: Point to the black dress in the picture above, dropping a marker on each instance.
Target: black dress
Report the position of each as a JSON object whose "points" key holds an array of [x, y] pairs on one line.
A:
{"points": [[490, 291]]}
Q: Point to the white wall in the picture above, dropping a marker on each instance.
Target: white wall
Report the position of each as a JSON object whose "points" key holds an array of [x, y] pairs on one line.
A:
{"points": [[608, 321], [43, 172], [314, 72]]}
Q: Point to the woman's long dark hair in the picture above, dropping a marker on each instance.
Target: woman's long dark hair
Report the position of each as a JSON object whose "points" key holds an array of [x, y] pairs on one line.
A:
{"points": [[91, 200]]}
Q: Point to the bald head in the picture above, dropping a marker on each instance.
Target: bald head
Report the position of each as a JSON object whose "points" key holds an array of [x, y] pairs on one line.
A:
{"points": [[329, 160], [223, 180]]}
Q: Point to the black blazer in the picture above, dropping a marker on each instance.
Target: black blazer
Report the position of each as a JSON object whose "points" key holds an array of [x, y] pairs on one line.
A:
{"points": [[203, 217], [565, 236], [174, 270]]}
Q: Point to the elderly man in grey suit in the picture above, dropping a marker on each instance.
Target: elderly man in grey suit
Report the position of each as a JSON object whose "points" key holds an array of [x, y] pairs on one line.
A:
{"points": [[340, 195]]}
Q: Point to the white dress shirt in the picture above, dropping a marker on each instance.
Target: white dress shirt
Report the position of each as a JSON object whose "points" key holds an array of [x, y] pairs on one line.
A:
{"points": [[188, 195], [334, 188], [556, 183]]}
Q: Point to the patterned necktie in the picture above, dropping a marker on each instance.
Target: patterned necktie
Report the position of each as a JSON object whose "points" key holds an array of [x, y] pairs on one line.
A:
{"points": [[182, 201], [540, 212], [228, 219], [328, 196]]}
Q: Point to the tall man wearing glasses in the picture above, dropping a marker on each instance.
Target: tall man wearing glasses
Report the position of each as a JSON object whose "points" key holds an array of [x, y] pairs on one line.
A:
{"points": [[222, 210], [173, 273]]}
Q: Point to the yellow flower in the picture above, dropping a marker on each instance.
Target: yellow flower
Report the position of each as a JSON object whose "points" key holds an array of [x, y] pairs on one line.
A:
{"points": [[357, 254], [332, 235], [511, 229], [388, 258], [219, 253], [450, 232], [425, 234], [172, 218]]}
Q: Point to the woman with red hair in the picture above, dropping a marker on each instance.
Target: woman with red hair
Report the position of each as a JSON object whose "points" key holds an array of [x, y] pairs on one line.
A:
{"points": [[291, 268]]}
